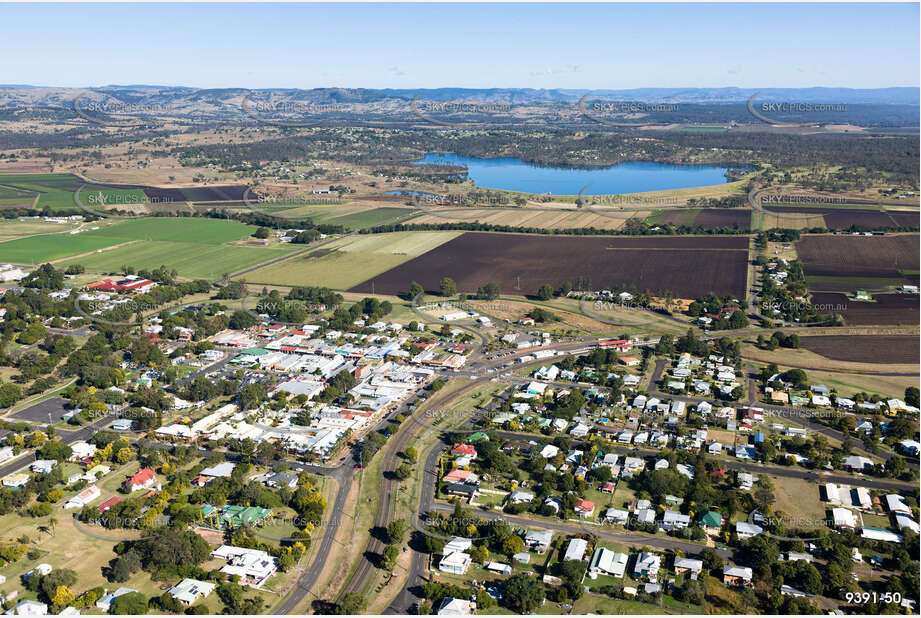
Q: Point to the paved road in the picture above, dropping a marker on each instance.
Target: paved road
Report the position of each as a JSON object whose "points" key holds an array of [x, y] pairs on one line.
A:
{"points": [[67, 437]]}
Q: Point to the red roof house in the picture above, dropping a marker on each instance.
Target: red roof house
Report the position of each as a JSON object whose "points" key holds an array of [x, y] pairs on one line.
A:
{"points": [[584, 506], [108, 504], [144, 479], [463, 449]]}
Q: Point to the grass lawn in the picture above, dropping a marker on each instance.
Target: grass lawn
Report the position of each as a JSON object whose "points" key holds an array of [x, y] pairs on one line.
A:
{"points": [[799, 499], [349, 261], [175, 229], [209, 261], [38, 249]]}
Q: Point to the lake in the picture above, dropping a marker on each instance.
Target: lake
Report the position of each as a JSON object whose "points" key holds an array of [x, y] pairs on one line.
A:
{"points": [[632, 177]]}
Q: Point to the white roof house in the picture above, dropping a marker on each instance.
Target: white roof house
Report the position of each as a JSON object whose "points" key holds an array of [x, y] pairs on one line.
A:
{"points": [[253, 566], [455, 562], [456, 607], [647, 565], [843, 518], [576, 549], [607, 562], [190, 590]]}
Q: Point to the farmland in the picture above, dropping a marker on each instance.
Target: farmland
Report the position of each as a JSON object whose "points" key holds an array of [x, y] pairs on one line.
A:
{"points": [[541, 218], [858, 256], [837, 266], [173, 229], [884, 309], [346, 262], [56, 191], [193, 247], [686, 266], [194, 260], [845, 218], [47, 247], [865, 349], [707, 218]]}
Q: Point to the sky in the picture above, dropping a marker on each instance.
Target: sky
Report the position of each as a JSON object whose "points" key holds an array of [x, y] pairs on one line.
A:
{"points": [[591, 46]]}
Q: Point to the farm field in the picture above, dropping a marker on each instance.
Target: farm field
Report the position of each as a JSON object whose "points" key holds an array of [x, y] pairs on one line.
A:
{"points": [[838, 218], [852, 256], [884, 309], [543, 218], [17, 229], [194, 260], [836, 266], [687, 266], [47, 247], [57, 191], [865, 348], [351, 216], [346, 262], [707, 218], [173, 229]]}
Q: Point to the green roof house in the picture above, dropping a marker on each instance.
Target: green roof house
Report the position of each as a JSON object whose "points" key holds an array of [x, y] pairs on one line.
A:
{"points": [[711, 520]]}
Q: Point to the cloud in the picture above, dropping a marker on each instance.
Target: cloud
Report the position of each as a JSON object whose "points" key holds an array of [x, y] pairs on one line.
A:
{"points": [[396, 71], [572, 68]]}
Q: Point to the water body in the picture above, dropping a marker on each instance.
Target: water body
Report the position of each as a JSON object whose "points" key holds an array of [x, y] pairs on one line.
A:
{"points": [[633, 177]]}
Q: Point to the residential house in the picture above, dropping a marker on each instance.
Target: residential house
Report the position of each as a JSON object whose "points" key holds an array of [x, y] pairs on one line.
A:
{"points": [[190, 590], [691, 566], [737, 576], [607, 562]]}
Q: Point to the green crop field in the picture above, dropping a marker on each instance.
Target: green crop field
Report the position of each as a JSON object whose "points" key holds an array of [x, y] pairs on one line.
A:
{"points": [[174, 229], [56, 191], [347, 262], [47, 247], [353, 217], [193, 260]]}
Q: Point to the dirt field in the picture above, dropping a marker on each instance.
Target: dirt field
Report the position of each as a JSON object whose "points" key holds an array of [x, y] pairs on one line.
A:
{"points": [[687, 266], [550, 219], [859, 256], [844, 218], [865, 349], [885, 309], [708, 218]]}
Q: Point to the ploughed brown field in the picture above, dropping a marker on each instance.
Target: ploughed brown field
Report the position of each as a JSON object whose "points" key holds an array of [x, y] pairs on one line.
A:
{"points": [[884, 310], [883, 349], [709, 218], [686, 266], [844, 218], [858, 256]]}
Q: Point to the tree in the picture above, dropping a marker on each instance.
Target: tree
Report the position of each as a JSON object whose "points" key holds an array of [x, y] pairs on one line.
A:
{"points": [[125, 566], [545, 292], [490, 291], [912, 396], [262, 232], [403, 471], [352, 603], [711, 559], [448, 287], [395, 531], [389, 557], [411, 453], [512, 545], [415, 290], [62, 596], [523, 593], [130, 603]]}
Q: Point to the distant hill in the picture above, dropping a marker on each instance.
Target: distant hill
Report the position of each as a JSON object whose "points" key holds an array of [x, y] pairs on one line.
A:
{"points": [[53, 96]]}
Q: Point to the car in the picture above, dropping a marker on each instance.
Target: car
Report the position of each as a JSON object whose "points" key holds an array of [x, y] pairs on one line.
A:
{"points": [[357, 466]]}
